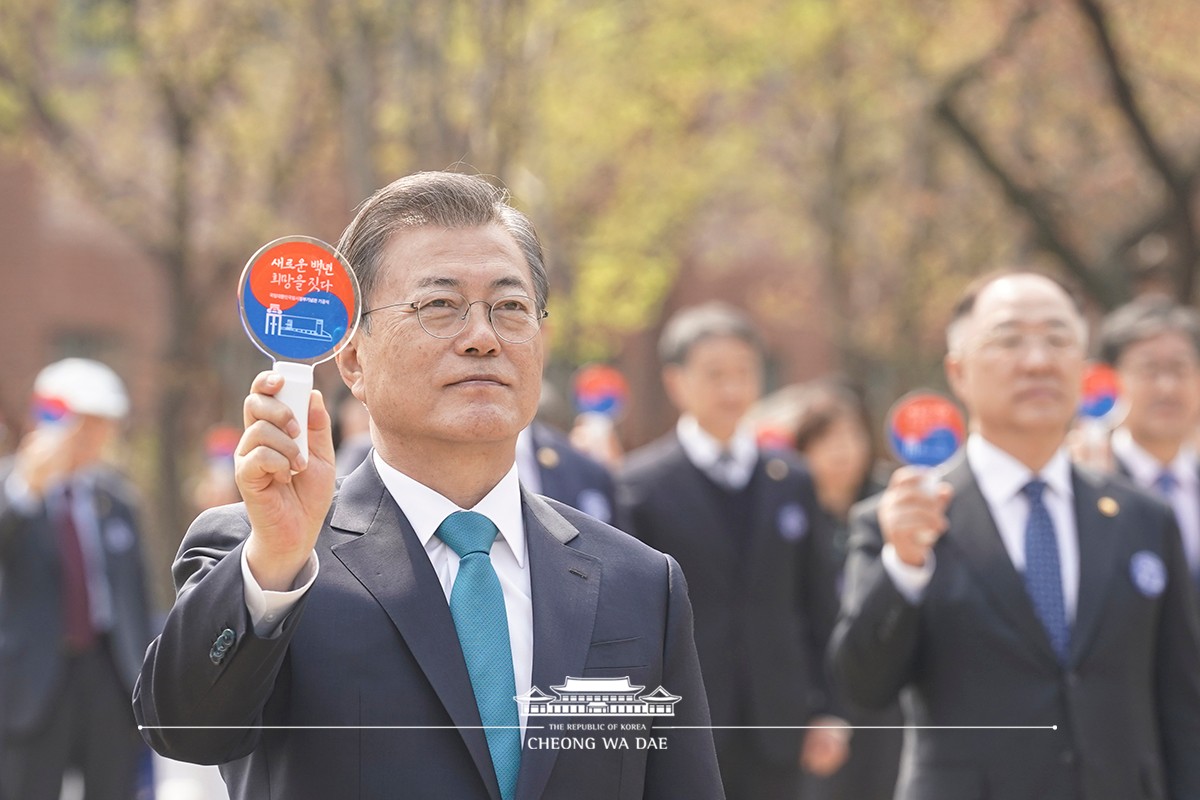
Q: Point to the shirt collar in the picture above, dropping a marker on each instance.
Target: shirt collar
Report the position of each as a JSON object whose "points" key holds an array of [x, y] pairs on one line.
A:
{"points": [[426, 509], [1001, 477], [1145, 468], [703, 450]]}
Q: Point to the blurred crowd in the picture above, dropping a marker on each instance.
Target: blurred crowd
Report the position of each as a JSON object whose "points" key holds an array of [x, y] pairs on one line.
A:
{"points": [[1046, 576]]}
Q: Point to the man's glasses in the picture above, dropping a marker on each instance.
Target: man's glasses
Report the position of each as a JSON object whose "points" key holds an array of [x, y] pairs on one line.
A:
{"points": [[443, 315], [1013, 343]]}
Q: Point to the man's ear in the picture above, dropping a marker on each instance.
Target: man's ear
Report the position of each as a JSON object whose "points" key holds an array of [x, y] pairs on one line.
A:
{"points": [[350, 368], [672, 378], [953, 366]]}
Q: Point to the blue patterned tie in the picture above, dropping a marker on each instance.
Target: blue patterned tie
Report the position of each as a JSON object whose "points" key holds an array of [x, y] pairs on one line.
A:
{"points": [[1165, 484], [477, 606], [1043, 578]]}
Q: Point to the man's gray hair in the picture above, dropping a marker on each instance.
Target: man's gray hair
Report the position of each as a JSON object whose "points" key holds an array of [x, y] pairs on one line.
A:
{"points": [[436, 199], [690, 326], [1145, 318]]}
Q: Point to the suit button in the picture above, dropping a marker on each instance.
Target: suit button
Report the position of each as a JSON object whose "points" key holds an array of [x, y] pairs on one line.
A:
{"points": [[1066, 758], [221, 646], [1073, 679]]}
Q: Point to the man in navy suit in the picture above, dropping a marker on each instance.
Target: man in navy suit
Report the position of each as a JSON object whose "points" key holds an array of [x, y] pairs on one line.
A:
{"points": [[74, 611], [1040, 615], [739, 521], [1154, 344], [354, 642]]}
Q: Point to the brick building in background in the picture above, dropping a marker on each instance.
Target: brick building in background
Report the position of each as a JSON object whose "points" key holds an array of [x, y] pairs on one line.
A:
{"points": [[72, 286]]}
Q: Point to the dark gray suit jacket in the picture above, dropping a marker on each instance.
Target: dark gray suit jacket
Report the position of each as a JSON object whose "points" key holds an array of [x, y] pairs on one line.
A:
{"points": [[763, 592], [31, 652], [373, 644], [1127, 705]]}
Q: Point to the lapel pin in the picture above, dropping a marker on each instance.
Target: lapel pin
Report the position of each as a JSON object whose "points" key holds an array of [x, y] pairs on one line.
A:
{"points": [[777, 469], [547, 457], [1108, 507]]}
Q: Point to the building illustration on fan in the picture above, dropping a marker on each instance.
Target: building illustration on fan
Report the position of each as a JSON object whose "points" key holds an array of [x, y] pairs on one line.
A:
{"points": [[295, 326]]}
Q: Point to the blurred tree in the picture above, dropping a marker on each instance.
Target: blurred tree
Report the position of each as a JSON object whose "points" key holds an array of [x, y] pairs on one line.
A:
{"points": [[839, 167], [1079, 114], [185, 123]]}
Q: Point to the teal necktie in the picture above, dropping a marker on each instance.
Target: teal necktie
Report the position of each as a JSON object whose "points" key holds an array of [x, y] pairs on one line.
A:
{"points": [[477, 606]]}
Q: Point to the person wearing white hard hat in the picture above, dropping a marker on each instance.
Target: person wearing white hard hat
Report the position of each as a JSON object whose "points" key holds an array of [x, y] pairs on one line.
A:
{"points": [[74, 613]]}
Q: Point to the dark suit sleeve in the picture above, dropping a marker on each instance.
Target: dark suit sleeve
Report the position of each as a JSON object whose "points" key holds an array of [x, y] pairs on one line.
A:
{"points": [[14, 523], [186, 683], [1178, 674], [688, 766], [874, 646]]}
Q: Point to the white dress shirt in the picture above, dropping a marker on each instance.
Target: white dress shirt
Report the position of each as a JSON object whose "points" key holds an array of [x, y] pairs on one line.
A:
{"points": [[1185, 500], [425, 510], [1000, 478], [705, 452]]}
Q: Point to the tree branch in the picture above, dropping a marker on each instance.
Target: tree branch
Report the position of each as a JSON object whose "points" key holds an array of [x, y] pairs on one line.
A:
{"points": [[1048, 235], [1177, 182]]}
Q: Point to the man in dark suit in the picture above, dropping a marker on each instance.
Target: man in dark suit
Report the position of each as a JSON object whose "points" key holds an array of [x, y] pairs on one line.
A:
{"points": [[369, 641], [738, 520], [1154, 344], [74, 616], [551, 466], [1024, 592]]}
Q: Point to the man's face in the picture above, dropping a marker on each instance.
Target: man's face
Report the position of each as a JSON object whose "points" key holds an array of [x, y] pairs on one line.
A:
{"points": [[89, 440], [717, 383], [421, 390], [1160, 382], [1018, 367]]}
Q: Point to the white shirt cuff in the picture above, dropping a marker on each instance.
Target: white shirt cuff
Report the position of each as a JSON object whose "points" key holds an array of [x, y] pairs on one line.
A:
{"points": [[910, 581], [269, 609], [20, 496]]}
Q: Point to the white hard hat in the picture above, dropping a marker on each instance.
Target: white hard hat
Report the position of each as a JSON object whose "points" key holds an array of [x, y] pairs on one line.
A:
{"points": [[83, 386]]}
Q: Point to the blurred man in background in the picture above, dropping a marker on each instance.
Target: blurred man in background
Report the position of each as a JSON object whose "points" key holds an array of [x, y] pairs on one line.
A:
{"points": [[74, 618], [1024, 592], [1154, 344], [739, 522]]}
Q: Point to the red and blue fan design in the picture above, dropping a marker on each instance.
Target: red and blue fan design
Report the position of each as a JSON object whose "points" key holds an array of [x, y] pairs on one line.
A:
{"points": [[1101, 391], [299, 300], [49, 410], [925, 429], [601, 389]]}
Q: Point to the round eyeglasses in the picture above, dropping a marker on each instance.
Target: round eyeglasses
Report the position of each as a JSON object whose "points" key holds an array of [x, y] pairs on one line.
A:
{"points": [[443, 315]]}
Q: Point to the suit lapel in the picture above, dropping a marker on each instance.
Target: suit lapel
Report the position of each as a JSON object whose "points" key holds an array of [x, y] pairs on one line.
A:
{"points": [[1098, 535], [566, 589], [392, 566], [974, 534]]}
